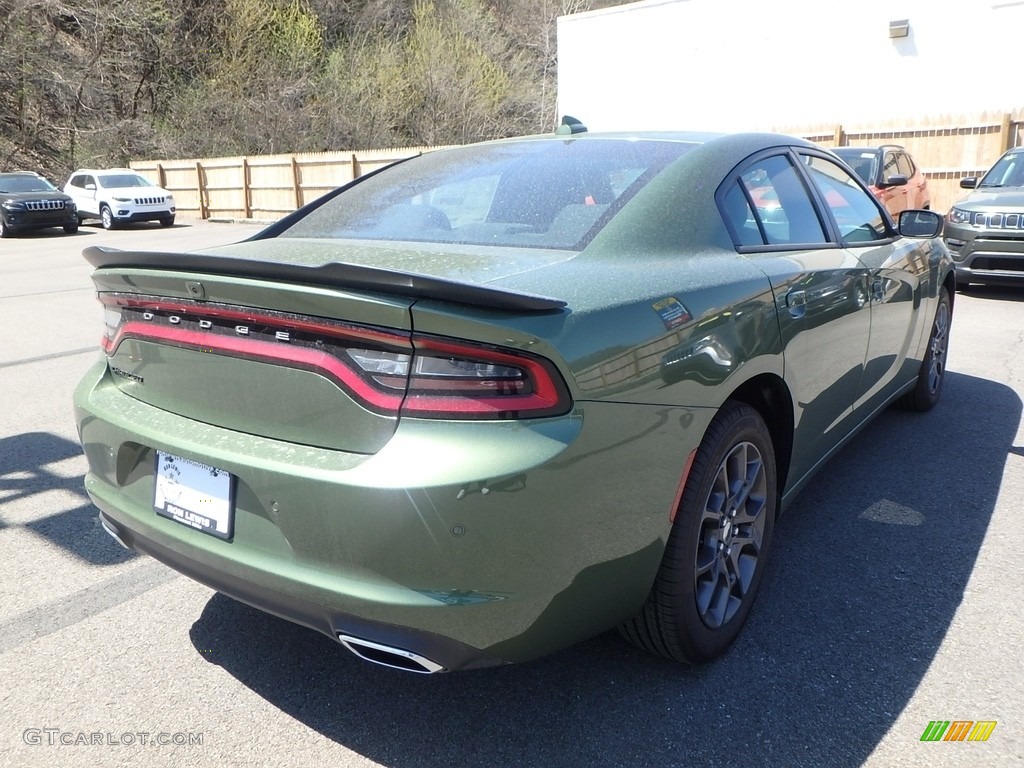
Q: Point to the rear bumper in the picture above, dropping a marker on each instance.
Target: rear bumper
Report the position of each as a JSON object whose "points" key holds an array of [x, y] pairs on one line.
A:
{"points": [[449, 654], [471, 544]]}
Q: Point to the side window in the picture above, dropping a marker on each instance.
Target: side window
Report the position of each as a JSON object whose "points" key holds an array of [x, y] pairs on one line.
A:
{"points": [[740, 217], [782, 207], [889, 166], [76, 181], [905, 164], [858, 216]]}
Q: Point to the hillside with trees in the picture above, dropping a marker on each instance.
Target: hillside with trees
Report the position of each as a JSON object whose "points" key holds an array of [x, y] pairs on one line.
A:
{"points": [[90, 84]]}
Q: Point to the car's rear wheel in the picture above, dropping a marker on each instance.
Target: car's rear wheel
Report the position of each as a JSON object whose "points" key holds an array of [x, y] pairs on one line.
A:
{"points": [[932, 373], [715, 556], [107, 217]]}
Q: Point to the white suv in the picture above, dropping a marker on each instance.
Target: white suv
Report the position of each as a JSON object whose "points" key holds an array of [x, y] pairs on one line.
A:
{"points": [[119, 195]]}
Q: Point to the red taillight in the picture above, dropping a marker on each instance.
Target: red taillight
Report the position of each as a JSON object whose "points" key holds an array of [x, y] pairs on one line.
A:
{"points": [[386, 371], [455, 379]]}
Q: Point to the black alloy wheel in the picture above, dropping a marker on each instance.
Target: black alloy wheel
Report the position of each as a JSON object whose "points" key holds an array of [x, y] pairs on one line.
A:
{"points": [[715, 556], [931, 375]]}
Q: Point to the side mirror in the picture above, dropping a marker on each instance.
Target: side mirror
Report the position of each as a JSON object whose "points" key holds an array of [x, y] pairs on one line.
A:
{"points": [[896, 180], [920, 224], [91, 187], [969, 183]]}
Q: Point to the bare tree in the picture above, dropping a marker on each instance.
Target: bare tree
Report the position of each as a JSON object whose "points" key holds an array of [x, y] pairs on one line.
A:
{"points": [[99, 82]]}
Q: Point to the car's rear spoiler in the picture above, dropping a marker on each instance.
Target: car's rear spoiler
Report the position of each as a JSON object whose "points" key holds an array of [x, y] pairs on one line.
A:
{"points": [[335, 274]]}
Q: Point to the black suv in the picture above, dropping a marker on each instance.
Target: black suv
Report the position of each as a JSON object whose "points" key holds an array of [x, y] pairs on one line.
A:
{"points": [[28, 201]]}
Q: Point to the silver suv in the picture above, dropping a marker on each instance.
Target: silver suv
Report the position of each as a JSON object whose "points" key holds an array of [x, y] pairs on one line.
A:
{"points": [[985, 230], [118, 196]]}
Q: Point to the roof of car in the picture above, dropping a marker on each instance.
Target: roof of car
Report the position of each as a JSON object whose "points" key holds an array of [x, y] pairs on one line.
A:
{"points": [[731, 143], [104, 170], [878, 148]]}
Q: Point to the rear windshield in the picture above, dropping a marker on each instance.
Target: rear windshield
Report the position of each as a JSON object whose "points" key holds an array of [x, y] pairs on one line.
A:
{"points": [[541, 194]]}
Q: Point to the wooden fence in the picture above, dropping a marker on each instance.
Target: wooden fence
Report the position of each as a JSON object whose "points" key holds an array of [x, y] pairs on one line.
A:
{"points": [[947, 148], [261, 187], [266, 187]]}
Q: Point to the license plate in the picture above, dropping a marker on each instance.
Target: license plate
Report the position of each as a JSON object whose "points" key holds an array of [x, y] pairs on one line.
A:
{"points": [[194, 494]]}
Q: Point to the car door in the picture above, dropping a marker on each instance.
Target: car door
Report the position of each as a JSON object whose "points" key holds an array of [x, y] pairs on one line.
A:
{"points": [[820, 290], [896, 268], [86, 199], [74, 188]]}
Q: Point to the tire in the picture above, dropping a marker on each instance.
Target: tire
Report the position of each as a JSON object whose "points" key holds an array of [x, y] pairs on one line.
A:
{"points": [[715, 556], [70, 229], [167, 222], [932, 373], [107, 217], [5, 231]]}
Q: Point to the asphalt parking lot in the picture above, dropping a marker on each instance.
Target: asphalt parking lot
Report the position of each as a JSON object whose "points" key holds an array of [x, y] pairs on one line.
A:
{"points": [[892, 600]]}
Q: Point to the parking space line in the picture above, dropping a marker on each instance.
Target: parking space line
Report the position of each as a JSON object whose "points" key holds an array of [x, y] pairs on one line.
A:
{"points": [[63, 612], [52, 356]]}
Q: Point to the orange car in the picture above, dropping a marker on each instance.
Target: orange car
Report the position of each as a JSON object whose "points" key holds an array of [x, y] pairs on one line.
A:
{"points": [[891, 174]]}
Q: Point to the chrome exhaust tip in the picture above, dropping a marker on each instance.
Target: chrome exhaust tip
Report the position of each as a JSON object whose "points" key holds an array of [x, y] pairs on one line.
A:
{"points": [[110, 529], [387, 656]]}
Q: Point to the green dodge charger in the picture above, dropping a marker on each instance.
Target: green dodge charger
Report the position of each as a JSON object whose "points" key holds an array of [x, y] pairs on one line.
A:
{"points": [[493, 400]]}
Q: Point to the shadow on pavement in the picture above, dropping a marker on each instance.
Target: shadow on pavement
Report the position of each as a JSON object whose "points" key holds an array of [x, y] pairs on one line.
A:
{"points": [[26, 471], [868, 570]]}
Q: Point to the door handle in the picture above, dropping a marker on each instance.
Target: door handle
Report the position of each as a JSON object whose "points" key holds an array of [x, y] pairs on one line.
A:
{"points": [[877, 294], [796, 303]]}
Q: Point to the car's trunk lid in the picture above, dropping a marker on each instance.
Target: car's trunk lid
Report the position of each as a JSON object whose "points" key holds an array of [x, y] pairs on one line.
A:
{"points": [[270, 348]]}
